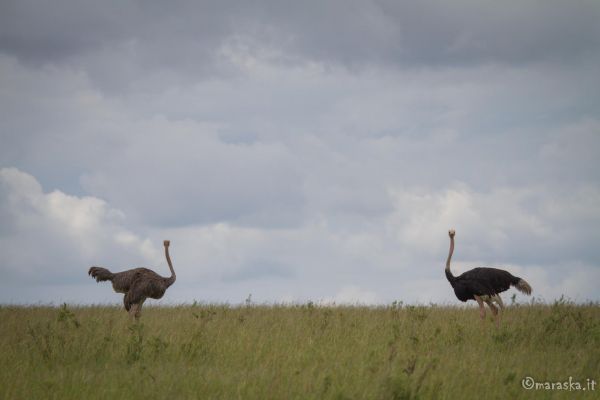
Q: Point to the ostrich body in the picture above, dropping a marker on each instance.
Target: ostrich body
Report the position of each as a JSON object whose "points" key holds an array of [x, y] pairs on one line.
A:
{"points": [[137, 284], [483, 285]]}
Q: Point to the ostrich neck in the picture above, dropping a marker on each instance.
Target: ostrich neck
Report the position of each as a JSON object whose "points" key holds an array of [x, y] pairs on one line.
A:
{"points": [[448, 272], [171, 279]]}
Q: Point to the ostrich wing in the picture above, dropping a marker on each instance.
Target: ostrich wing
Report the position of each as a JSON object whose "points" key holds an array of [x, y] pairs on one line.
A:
{"points": [[471, 287], [142, 287], [498, 279], [123, 280], [135, 294]]}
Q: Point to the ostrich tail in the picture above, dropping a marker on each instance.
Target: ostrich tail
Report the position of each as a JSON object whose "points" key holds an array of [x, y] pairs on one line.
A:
{"points": [[523, 286], [101, 274]]}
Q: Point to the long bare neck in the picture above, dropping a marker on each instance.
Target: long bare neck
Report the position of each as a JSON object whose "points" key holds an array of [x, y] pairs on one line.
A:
{"points": [[448, 273], [171, 279]]}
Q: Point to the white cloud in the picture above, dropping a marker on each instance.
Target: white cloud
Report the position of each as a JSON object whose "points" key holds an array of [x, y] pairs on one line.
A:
{"points": [[54, 237], [506, 223]]}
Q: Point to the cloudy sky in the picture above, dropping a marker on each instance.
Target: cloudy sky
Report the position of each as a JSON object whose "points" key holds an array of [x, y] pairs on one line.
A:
{"points": [[314, 150]]}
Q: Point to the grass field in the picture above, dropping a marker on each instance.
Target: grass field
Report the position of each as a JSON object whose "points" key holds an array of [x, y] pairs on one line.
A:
{"points": [[296, 352]]}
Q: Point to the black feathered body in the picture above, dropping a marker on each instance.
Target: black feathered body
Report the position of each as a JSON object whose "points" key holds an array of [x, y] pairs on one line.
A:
{"points": [[481, 282]]}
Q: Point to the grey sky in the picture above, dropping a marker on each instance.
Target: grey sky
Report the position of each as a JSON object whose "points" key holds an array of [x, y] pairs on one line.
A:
{"points": [[317, 150]]}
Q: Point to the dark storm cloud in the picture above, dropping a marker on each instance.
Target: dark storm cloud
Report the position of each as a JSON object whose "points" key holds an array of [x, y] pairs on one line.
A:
{"points": [[39, 32], [114, 41], [434, 32], [187, 35], [459, 32]]}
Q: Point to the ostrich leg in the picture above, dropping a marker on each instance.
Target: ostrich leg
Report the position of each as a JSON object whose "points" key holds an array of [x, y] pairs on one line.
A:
{"points": [[135, 312], [138, 312], [481, 307], [495, 311]]}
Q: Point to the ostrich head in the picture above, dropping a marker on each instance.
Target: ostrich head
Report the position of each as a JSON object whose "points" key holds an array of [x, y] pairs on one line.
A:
{"points": [[167, 243], [451, 233]]}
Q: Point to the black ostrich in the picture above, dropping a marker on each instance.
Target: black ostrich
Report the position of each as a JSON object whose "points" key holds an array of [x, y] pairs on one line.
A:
{"points": [[483, 284]]}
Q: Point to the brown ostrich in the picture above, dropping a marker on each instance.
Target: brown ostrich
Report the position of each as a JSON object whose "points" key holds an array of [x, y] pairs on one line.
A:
{"points": [[483, 285], [137, 284]]}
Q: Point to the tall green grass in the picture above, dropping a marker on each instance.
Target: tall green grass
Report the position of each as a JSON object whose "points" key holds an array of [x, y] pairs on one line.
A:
{"points": [[295, 352]]}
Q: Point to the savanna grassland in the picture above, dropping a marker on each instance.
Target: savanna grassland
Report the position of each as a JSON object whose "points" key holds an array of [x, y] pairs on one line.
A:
{"points": [[296, 352]]}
